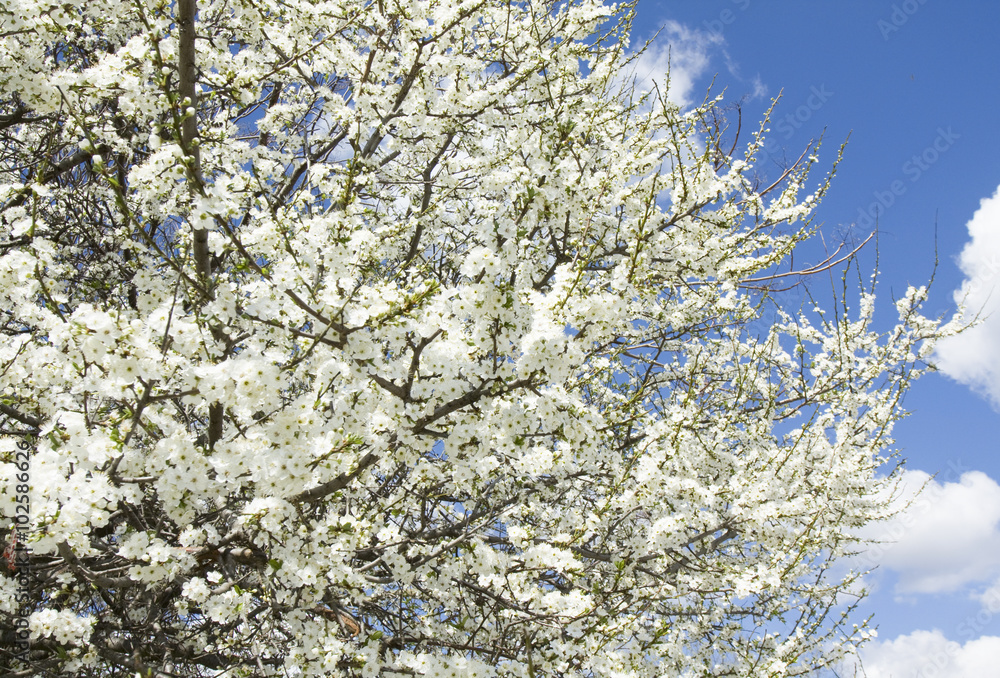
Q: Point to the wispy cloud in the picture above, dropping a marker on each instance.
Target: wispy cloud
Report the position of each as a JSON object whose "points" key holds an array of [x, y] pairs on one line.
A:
{"points": [[973, 358], [684, 52]]}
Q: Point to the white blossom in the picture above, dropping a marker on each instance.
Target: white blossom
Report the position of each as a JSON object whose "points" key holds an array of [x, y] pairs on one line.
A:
{"points": [[406, 338]]}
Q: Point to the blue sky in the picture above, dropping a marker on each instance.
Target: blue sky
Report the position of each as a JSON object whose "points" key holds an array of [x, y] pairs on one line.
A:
{"points": [[916, 86]]}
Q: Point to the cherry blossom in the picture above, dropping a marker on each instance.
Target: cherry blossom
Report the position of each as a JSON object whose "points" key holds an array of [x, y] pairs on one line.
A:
{"points": [[408, 337]]}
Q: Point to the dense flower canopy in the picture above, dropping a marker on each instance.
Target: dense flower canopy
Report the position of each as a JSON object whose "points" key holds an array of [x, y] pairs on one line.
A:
{"points": [[358, 337]]}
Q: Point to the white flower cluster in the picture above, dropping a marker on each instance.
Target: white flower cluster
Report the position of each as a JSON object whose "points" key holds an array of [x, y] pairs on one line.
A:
{"points": [[64, 626], [402, 337]]}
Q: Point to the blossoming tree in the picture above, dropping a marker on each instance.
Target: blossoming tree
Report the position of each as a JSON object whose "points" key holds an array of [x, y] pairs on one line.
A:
{"points": [[378, 337]]}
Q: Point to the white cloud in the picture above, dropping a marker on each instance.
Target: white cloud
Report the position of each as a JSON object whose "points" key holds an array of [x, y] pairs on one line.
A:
{"points": [[929, 654], [759, 89], [681, 50], [973, 358], [948, 537], [990, 598]]}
